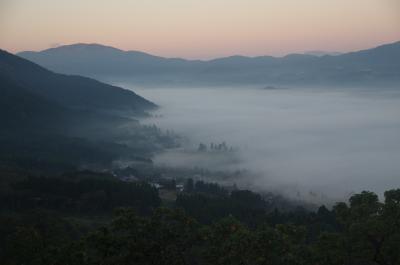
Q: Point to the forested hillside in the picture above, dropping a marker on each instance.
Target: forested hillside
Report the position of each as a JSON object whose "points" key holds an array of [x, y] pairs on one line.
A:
{"points": [[67, 220]]}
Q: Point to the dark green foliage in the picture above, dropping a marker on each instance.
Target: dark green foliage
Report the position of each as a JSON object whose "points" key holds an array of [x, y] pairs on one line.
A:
{"points": [[84, 193], [369, 232], [200, 186], [209, 204], [368, 235], [208, 188], [22, 109], [189, 185], [54, 152], [164, 238], [36, 237]]}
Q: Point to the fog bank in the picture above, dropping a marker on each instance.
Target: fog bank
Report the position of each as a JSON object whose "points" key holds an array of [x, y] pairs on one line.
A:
{"points": [[330, 141]]}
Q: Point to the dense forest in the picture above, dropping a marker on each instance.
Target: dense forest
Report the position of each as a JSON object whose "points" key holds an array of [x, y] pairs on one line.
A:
{"points": [[85, 217]]}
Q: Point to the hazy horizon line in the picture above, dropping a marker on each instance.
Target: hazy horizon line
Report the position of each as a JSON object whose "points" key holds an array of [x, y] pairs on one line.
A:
{"points": [[212, 58]]}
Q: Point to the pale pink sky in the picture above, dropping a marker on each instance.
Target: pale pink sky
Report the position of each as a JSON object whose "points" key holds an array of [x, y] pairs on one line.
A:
{"points": [[201, 28]]}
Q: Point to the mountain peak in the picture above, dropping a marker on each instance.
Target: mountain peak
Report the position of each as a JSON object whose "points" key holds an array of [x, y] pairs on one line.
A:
{"points": [[76, 47]]}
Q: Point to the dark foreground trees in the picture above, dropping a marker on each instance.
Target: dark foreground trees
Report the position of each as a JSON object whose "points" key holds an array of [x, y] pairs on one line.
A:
{"points": [[363, 232]]}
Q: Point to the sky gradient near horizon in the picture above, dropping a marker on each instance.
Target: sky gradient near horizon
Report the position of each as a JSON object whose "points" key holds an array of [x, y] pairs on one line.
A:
{"points": [[201, 29]]}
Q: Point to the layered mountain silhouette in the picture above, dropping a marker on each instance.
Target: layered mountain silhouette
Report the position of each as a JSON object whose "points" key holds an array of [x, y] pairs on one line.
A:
{"points": [[49, 118], [377, 66], [36, 100], [67, 90]]}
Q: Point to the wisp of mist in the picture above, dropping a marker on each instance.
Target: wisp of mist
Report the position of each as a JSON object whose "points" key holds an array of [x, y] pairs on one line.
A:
{"points": [[327, 141]]}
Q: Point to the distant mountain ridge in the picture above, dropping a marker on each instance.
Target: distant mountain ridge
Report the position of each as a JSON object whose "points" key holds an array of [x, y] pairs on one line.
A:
{"points": [[322, 53], [376, 66]]}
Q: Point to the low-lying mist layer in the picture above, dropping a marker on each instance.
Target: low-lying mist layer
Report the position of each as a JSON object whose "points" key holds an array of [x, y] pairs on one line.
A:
{"points": [[299, 141]]}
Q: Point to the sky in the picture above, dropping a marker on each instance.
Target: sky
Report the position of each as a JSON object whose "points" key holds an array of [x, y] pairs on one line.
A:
{"points": [[201, 29]]}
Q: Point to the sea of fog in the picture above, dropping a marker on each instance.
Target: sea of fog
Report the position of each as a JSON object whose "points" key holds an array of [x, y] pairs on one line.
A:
{"points": [[314, 141]]}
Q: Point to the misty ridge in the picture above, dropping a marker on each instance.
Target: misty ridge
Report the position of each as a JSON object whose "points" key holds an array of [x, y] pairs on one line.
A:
{"points": [[371, 67]]}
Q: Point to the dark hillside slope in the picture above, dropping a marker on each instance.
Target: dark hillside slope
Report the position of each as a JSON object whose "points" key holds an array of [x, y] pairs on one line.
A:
{"points": [[71, 91], [46, 119], [22, 109]]}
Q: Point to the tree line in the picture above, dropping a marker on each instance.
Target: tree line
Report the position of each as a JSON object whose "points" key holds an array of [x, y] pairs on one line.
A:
{"points": [[207, 225]]}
